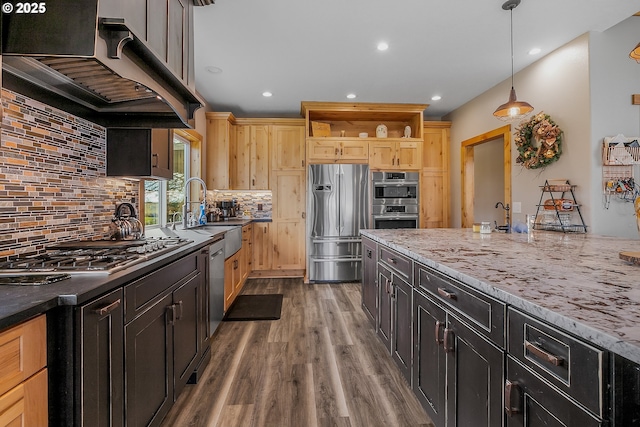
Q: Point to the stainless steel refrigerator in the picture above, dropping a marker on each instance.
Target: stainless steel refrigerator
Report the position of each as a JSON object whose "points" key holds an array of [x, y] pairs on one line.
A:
{"points": [[337, 207]]}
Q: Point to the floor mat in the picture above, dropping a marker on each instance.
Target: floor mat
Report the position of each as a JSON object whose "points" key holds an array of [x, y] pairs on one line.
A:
{"points": [[255, 307]]}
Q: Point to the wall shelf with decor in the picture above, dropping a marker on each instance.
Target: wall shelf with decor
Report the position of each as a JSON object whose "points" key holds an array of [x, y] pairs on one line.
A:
{"points": [[560, 211], [620, 164], [344, 119]]}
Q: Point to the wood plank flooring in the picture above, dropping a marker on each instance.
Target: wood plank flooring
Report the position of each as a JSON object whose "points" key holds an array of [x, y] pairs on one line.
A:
{"points": [[320, 365]]}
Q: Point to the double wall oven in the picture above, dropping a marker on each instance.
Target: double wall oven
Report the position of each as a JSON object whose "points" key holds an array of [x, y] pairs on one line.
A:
{"points": [[395, 200]]}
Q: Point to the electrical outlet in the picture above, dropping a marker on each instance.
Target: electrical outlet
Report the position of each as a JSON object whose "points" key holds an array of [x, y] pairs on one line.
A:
{"points": [[259, 206], [517, 207]]}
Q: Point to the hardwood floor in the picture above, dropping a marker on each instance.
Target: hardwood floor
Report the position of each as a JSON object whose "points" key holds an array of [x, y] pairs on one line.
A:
{"points": [[320, 365]]}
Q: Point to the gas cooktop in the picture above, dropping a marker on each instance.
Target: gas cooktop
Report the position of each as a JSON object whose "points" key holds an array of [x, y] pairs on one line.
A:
{"points": [[95, 256]]}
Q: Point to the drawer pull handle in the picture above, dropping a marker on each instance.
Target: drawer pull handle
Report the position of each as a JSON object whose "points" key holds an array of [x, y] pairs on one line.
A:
{"points": [[542, 354], [449, 341], [107, 308], [439, 326], [392, 260], [511, 402], [179, 316], [446, 294]]}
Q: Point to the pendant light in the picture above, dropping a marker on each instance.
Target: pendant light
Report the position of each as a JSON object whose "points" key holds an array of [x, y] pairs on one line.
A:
{"points": [[635, 53], [513, 109]]}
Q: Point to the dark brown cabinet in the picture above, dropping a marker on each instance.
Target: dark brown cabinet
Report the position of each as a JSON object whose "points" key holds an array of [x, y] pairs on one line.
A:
{"points": [[369, 279], [429, 359], [401, 325], [383, 321], [138, 152], [101, 362], [163, 342]]}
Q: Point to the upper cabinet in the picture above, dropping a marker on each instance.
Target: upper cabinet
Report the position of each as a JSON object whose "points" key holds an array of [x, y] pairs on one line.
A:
{"points": [[143, 153], [342, 132], [221, 136], [249, 158], [288, 146]]}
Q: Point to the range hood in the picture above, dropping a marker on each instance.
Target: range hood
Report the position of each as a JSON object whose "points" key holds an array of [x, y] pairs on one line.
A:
{"points": [[98, 68]]}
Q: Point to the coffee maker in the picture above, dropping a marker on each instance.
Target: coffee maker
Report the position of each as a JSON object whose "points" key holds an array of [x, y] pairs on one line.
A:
{"points": [[228, 208]]}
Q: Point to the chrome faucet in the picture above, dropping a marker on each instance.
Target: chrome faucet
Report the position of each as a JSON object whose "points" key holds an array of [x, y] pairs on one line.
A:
{"points": [[507, 227], [185, 224], [173, 220]]}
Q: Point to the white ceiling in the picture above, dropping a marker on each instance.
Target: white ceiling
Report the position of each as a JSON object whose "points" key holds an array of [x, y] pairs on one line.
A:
{"points": [[310, 50]]}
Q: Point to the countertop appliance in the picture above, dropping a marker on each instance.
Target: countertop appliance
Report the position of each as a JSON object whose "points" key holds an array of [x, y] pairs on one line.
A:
{"points": [[91, 256], [216, 284], [338, 207], [394, 199]]}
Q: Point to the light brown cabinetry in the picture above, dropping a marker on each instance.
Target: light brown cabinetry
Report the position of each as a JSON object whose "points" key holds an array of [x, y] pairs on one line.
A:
{"points": [[390, 155], [237, 267], [434, 176], [325, 150], [249, 160], [23, 374], [262, 247], [287, 147], [221, 136]]}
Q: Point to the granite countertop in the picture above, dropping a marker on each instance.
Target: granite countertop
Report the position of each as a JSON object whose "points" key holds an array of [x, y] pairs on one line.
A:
{"points": [[574, 281], [19, 303]]}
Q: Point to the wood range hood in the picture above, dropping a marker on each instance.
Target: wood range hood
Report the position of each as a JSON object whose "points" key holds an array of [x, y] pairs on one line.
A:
{"points": [[98, 68]]}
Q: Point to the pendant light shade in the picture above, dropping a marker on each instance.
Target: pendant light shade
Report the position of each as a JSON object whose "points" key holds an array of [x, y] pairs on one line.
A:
{"points": [[513, 109], [635, 53]]}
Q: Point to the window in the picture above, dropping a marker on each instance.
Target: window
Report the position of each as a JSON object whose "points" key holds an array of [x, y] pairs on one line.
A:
{"points": [[162, 199]]}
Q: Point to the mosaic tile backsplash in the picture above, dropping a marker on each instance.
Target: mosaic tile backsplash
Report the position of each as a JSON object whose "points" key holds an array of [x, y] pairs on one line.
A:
{"points": [[248, 200], [53, 184]]}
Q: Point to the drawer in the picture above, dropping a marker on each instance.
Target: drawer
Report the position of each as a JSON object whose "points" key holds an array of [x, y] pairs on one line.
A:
{"points": [[140, 295], [568, 363], [23, 352], [478, 309], [397, 262]]}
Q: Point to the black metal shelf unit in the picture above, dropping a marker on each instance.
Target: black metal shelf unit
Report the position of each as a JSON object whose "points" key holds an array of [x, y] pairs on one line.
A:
{"points": [[564, 209]]}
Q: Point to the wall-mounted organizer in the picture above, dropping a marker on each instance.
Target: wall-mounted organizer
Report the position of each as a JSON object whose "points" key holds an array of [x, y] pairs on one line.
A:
{"points": [[559, 211], [620, 165]]}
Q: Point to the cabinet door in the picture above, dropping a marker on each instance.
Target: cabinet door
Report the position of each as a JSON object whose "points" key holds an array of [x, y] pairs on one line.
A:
{"points": [[382, 155], [322, 151], [162, 153], [177, 40], [102, 361], [287, 147], [369, 280], [288, 193], [221, 135], [149, 364], [288, 247], [259, 158], [475, 368], [408, 155], [533, 402], [229, 294], [429, 358], [384, 306], [262, 247], [247, 248], [240, 159], [357, 151], [186, 332], [401, 337]]}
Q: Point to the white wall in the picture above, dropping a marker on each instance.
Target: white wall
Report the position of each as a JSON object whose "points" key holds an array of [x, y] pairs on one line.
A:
{"points": [[614, 78], [557, 84]]}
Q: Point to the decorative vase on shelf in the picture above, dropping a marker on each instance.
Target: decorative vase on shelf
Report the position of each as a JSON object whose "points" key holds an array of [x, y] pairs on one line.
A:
{"points": [[381, 131]]}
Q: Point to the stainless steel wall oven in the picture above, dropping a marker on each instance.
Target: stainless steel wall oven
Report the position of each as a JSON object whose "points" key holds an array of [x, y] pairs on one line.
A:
{"points": [[395, 200]]}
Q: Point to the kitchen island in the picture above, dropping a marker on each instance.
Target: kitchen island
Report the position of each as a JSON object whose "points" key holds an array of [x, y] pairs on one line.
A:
{"points": [[534, 325]]}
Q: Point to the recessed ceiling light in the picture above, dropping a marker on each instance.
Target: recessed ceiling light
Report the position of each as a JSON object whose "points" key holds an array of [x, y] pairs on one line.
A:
{"points": [[383, 46], [436, 98], [534, 51], [213, 70], [351, 95], [267, 94]]}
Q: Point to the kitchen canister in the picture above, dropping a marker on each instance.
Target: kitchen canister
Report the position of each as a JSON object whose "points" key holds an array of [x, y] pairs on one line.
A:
{"points": [[485, 227]]}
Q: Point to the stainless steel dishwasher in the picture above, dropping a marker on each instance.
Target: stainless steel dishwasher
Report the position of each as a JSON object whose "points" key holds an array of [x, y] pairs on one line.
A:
{"points": [[216, 284]]}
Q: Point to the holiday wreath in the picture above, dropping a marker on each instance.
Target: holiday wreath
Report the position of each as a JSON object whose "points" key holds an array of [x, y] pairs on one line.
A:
{"points": [[539, 142]]}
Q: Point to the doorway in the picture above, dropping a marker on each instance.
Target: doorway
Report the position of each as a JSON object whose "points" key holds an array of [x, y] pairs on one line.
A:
{"points": [[479, 149]]}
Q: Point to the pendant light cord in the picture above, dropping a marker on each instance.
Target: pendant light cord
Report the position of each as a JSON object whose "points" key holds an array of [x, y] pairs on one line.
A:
{"points": [[511, 14]]}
